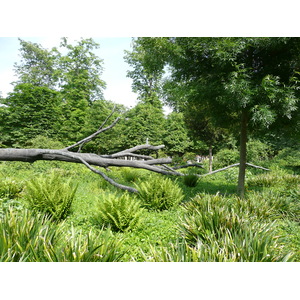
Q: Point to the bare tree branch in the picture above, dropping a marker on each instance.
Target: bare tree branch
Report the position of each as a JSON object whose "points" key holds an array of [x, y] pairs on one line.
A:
{"points": [[257, 167], [105, 121], [89, 138], [187, 166], [140, 147], [111, 181], [117, 155], [231, 166]]}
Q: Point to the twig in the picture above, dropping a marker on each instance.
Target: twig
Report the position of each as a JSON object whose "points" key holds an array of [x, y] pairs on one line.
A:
{"points": [[89, 138], [187, 166], [231, 166], [112, 112], [140, 147]]}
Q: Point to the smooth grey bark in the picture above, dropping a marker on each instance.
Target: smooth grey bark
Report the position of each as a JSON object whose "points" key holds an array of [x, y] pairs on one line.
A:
{"points": [[32, 155], [89, 159]]}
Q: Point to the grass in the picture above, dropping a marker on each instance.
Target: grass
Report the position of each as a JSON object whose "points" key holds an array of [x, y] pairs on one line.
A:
{"points": [[208, 224]]}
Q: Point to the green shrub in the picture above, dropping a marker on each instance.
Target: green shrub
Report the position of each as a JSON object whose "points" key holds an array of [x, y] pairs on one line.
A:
{"points": [[257, 151], [223, 229], [76, 246], [28, 237], [50, 194], [273, 179], [121, 213], [190, 180], [206, 217], [10, 189], [248, 245], [159, 193], [25, 237], [278, 204], [129, 174], [288, 158], [44, 142], [225, 157]]}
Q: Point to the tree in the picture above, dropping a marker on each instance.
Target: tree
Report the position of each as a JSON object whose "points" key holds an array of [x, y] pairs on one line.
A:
{"points": [[74, 72], [111, 141], [176, 136], [80, 72], [38, 66], [147, 64], [142, 123], [244, 83], [80, 84], [31, 111], [200, 126]]}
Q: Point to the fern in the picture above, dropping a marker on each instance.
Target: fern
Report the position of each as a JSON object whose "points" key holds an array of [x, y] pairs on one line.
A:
{"points": [[190, 180], [50, 195], [10, 189], [159, 193], [121, 213]]}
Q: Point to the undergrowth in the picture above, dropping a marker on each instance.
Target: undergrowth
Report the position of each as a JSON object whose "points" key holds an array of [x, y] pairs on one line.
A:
{"points": [[179, 221]]}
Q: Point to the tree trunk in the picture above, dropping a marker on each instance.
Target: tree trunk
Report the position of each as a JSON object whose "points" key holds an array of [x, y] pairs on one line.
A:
{"points": [[210, 159], [243, 154]]}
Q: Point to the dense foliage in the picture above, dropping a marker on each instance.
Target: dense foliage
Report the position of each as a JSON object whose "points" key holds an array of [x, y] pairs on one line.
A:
{"points": [[227, 94], [210, 223]]}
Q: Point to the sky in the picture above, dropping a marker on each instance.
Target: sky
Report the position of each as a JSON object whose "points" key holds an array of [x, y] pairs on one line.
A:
{"points": [[118, 86]]}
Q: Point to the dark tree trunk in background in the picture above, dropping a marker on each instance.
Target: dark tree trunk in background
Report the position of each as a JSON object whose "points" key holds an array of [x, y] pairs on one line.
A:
{"points": [[243, 154], [210, 158]]}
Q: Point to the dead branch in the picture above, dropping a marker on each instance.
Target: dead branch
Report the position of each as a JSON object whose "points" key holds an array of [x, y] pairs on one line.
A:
{"points": [[187, 166], [231, 166], [92, 136], [88, 159]]}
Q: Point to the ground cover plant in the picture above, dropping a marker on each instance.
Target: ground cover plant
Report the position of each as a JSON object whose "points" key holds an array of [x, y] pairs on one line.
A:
{"points": [[168, 221]]}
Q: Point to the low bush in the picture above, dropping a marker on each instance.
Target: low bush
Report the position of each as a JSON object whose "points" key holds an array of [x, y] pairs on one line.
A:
{"points": [[257, 151], [288, 158], [207, 217], [10, 188], [50, 194], [273, 179], [44, 142], [190, 180], [25, 237], [159, 193], [248, 245], [225, 157], [121, 213], [76, 246], [28, 237], [223, 229], [130, 174]]}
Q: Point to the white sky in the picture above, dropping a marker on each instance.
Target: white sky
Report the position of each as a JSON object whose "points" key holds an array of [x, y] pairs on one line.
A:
{"points": [[111, 51]]}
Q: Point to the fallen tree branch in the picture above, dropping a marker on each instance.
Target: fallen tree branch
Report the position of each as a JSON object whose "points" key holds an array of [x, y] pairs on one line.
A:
{"points": [[187, 166], [257, 167], [111, 181], [137, 148], [231, 166], [32, 155]]}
